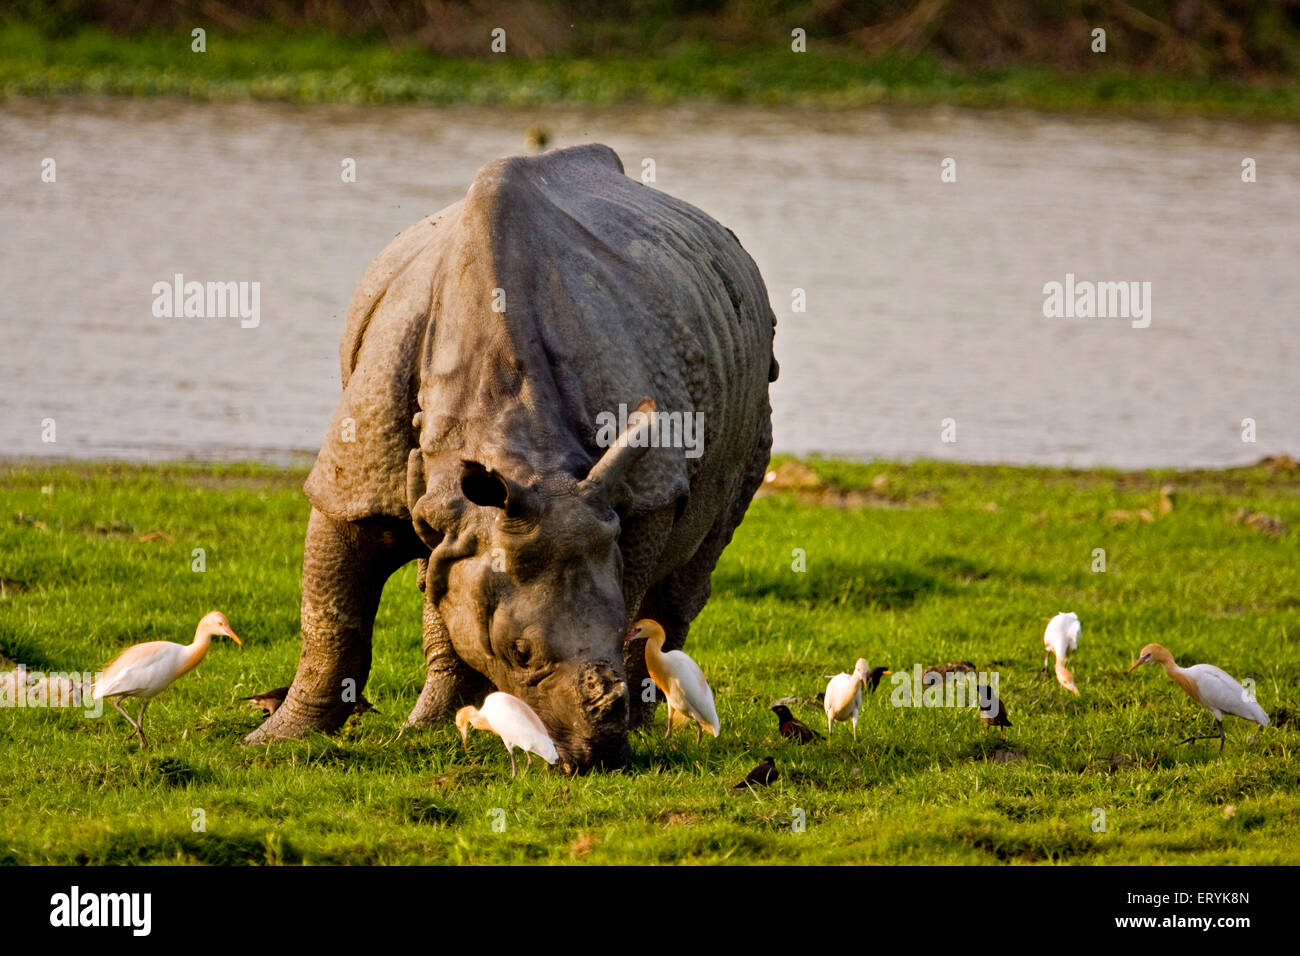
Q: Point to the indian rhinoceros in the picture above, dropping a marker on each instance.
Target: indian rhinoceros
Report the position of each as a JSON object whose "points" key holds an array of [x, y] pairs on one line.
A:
{"points": [[488, 352]]}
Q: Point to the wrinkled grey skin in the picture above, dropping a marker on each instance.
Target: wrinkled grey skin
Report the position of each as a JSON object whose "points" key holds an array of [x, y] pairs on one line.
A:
{"points": [[475, 447]]}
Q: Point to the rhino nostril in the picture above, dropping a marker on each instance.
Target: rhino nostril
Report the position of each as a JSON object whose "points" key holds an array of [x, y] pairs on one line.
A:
{"points": [[610, 697], [596, 682]]}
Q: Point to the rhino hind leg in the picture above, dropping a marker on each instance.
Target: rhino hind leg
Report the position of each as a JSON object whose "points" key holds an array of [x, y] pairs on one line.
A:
{"points": [[674, 602], [449, 682], [345, 565], [643, 543], [643, 697]]}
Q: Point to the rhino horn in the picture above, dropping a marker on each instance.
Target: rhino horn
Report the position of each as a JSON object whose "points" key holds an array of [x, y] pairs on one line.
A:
{"points": [[627, 450]]}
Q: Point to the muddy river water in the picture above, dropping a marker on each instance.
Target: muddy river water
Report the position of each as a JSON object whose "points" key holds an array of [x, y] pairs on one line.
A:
{"points": [[921, 315]]}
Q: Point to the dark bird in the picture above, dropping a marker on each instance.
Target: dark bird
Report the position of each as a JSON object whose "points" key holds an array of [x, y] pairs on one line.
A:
{"points": [[937, 674], [538, 137], [992, 711], [269, 701], [760, 776], [792, 727]]}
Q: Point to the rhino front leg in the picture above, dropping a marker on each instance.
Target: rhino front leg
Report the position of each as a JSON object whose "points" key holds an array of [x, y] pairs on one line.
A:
{"points": [[344, 567], [450, 682]]}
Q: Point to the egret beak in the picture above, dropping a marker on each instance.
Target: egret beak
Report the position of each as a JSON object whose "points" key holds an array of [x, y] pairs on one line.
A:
{"points": [[631, 635], [1137, 663], [231, 634]]}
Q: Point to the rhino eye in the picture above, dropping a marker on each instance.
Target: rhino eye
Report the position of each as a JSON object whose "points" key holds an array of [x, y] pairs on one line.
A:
{"points": [[522, 652]]}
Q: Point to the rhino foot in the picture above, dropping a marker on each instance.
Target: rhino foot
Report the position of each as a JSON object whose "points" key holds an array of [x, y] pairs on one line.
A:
{"points": [[450, 683], [345, 565], [444, 693]]}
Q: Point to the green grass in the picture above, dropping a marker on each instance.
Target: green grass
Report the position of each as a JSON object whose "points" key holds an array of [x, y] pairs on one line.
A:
{"points": [[315, 68], [922, 569]]}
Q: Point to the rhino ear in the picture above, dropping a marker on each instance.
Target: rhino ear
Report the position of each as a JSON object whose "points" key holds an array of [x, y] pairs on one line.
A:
{"points": [[491, 489], [619, 459]]}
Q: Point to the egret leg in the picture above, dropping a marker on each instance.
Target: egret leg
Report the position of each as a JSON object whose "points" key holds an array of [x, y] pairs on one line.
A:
{"points": [[528, 760], [1218, 736], [669, 729], [699, 732], [121, 710], [855, 728], [513, 768], [1046, 658], [117, 702], [139, 724], [830, 725]]}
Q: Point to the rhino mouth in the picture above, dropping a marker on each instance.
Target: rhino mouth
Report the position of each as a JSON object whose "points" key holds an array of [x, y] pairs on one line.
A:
{"points": [[588, 721], [585, 708], [607, 751]]}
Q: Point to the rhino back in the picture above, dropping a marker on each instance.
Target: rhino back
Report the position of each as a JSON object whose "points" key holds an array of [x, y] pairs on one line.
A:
{"points": [[360, 469], [557, 290]]}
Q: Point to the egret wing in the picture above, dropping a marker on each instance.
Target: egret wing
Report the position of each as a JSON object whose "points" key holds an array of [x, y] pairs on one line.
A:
{"points": [[518, 725], [1221, 691], [142, 670], [1062, 633], [694, 696]]}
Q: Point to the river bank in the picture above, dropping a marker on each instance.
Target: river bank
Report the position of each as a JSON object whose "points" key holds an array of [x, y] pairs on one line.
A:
{"points": [[320, 68]]}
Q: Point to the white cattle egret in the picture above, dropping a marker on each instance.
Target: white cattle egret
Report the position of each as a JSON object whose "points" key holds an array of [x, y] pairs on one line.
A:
{"points": [[146, 670], [1062, 639], [680, 679], [514, 722], [1214, 689], [843, 697]]}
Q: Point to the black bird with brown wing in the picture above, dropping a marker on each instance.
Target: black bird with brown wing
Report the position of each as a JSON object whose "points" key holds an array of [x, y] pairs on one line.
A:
{"points": [[762, 775], [941, 671], [792, 727], [992, 711]]}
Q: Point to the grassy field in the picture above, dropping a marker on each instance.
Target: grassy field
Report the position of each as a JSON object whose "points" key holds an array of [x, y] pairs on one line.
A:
{"points": [[313, 68], [928, 564]]}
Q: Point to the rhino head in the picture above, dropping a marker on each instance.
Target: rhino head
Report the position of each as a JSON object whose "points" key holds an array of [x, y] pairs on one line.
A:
{"points": [[526, 573]]}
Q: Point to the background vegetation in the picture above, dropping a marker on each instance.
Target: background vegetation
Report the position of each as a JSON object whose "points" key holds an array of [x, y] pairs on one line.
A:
{"points": [[1236, 57]]}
